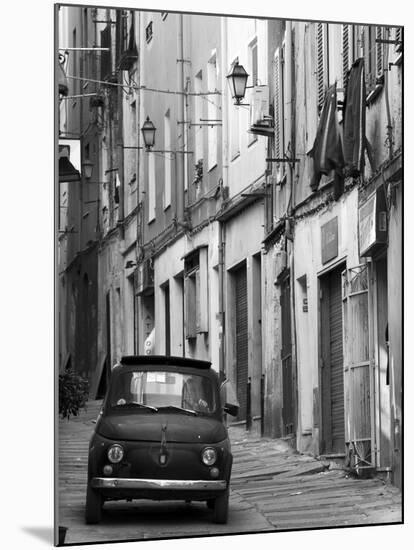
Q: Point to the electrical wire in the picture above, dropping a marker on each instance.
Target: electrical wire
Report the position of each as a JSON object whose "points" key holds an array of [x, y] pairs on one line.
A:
{"points": [[146, 88]]}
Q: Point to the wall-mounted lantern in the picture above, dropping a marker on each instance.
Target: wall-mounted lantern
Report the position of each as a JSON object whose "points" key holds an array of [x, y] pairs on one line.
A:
{"points": [[237, 80], [62, 79], [148, 133], [87, 168]]}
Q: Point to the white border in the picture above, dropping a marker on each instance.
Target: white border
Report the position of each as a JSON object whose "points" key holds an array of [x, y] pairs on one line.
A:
{"points": [[27, 277]]}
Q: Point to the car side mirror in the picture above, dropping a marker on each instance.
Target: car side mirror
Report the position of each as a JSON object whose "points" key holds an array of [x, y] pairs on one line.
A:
{"points": [[231, 409]]}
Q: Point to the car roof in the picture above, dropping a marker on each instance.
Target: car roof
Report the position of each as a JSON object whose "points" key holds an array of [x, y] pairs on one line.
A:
{"points": [[165, 360]]}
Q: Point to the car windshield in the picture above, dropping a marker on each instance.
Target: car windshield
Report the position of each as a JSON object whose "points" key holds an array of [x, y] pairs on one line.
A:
{"points": [[154, 390]]}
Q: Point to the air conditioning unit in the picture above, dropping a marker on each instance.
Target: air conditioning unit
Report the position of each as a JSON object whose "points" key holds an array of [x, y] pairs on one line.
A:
{"points": [[146, 278], [260, 121]]}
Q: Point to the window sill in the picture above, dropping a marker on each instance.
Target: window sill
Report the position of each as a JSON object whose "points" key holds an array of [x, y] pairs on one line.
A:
{"points": [[252, 143], [372, 96], [235, 157], [151, 221], [167, 207], [212, 168]]}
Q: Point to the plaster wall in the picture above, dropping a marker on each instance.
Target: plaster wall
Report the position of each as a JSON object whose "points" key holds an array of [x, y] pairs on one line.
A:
{"points": [[307, 262]]}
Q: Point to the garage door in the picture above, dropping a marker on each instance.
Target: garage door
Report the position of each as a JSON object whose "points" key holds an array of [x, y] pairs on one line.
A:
{"points": [[240, 280]]}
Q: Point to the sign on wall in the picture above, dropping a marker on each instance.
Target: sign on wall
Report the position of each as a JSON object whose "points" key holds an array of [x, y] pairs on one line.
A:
{"points": [[329, 240], [372, 226]]}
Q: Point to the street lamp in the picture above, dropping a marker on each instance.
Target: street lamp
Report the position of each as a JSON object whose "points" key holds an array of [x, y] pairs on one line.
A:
{"points": [[237, 80], [87, 168], [148, 133], [62, 79]]}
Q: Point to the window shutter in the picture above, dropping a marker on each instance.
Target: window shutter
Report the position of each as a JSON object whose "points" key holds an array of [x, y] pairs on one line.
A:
{"points": [[398, 38], [322, 66], [379, 51], [347, 57], [279, 111], [277, 105], [202, 302], [190, 306]]}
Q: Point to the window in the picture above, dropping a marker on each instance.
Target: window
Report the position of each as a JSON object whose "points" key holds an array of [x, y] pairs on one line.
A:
{"points": [[151, 187], [196, 293], [212, 111], [234, 126], [373, 53], [198, 114], [106, 55], [167, 160], [148, 32]]}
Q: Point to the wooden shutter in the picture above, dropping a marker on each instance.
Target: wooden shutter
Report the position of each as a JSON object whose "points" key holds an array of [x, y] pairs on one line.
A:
{"points": [[379, 51], [347, 51], [398, 38], [190, 306], [358, 378], [321, 62], [279, 111], [202, 302]]}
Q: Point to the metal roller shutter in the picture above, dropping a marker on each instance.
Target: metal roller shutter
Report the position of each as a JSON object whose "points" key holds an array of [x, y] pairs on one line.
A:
{"points": [[241, 339], [336, 364]]}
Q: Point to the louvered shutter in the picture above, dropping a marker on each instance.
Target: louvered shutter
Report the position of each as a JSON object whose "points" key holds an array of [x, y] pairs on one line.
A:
{"points": [[322, 65], [398, 38], [379, 51], [278, 111], [347, 54]]}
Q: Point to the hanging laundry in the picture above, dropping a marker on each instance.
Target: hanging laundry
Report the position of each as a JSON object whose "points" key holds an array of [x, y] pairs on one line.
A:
{"points": [[327, 151], [355, 141]]}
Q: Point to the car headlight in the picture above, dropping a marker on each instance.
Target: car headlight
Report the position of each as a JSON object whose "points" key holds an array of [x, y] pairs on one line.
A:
{"points": [[209, 456], [115, 453]]}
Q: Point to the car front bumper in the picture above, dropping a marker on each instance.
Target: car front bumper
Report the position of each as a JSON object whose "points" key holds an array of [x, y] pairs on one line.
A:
{"points": [[158, 484]]}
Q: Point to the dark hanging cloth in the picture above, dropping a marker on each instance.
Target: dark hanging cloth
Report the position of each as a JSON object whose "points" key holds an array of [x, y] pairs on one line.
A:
{"points": [[354, 120], [327, 152]]}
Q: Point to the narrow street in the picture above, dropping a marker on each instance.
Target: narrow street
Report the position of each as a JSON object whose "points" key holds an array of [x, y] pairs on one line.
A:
{"points": [[273, 488]]}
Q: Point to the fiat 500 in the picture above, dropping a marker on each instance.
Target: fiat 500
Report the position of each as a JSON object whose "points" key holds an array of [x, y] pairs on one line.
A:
{"points": [[160, 435]]}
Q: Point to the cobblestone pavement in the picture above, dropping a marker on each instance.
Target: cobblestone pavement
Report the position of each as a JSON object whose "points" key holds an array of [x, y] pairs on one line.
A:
{"points": [[272, 488]]}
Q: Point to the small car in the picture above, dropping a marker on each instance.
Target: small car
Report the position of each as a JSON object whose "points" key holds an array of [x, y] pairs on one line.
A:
{"points": [[161, 435]]}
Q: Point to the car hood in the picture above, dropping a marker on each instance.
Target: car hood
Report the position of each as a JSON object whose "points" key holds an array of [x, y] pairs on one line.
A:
{"points": [[179, 428]]}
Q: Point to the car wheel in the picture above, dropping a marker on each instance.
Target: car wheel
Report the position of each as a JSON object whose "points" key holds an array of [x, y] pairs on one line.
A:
{"points": [[210, 503], [221, 508], [93, 509]]}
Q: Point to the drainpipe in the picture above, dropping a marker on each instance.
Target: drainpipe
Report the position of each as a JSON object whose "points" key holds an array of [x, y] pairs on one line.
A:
{"points": [[225, 179], [179, 157], [387, 99], [289, 110], [137, 16]]}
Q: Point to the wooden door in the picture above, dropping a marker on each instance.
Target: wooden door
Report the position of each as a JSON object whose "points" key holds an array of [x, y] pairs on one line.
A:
{"points": [[357, 367]]}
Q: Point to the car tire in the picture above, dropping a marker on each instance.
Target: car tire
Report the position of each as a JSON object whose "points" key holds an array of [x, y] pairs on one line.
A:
{"points": [[221, 508], [93, 508]]}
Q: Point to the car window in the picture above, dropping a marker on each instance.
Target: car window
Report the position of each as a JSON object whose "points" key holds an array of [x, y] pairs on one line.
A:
{"points": [[163, 389]]}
